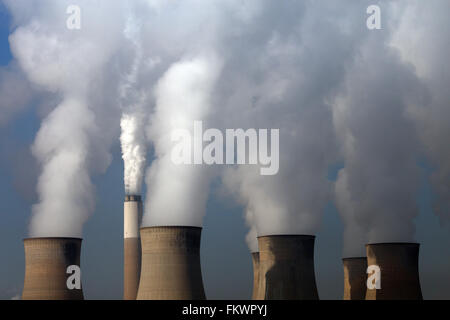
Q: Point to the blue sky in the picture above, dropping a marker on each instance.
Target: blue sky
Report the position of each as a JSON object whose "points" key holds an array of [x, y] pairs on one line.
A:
{"points": [[226, 261]]}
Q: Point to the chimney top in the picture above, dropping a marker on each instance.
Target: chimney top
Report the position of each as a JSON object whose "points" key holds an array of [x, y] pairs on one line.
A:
{"points": [[132, 198]]}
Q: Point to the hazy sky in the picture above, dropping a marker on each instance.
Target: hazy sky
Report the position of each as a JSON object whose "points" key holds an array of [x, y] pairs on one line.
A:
{"points": [[326, 71]]}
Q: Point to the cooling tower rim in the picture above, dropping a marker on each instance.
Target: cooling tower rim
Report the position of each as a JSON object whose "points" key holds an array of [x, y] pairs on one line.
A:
{"points": [[415, 244], [52, 238], [308, 236], [354, 258], [171, 227]]}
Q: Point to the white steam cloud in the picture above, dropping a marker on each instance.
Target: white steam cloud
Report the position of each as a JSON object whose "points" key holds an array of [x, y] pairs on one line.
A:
{"points": [[177, 194], [427, 49], [133, 151], [74, 138], [132, 124], [375, 100]]}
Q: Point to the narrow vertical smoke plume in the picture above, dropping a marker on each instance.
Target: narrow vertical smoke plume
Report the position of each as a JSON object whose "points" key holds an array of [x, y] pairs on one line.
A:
{"points": [[133, 151], [132, 124]]}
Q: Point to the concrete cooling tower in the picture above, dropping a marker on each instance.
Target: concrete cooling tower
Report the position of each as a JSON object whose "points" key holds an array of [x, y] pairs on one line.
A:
{"points": [[46, 268], [171, 264], [355, 278], [132, 212], [286, 268], [255, 260], [399, 266]]}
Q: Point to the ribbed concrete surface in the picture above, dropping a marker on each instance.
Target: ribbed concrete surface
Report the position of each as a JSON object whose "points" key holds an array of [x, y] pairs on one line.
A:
{"points": [[255, 260], [355, 278], [171, 264], [286, 266], [46, 262], [399, 265]]}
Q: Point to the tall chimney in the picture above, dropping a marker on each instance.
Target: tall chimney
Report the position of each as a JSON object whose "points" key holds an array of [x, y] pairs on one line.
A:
{"points": [[286, 268], [171, 264], [46, 268], [355, 278], [132, 212], [255, 260], [399, 266]]}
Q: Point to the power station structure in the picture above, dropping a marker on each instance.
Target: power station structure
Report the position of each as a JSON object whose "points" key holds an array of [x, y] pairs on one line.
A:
{"points": [[355, 278], [399, 271], [132, 213], [255, 261], [171, 264], [286, 268], [49, 265]]}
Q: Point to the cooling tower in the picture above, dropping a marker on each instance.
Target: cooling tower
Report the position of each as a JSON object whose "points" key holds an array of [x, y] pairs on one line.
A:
{"points": [[46, 264], [286, 268], [355, 278], [171, 264], [399, 266], [132, 211], [255, 260]]}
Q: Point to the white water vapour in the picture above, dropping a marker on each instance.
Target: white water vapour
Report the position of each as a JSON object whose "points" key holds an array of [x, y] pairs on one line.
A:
{"points": [[180, 44], [177, 193], [423, 41], [387, 104], [74, 137], [133, 151], [132, 124], [287, 61]]}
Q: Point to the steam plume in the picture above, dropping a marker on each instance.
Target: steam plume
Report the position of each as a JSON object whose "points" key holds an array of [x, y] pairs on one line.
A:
{"points": [[177, 193], [133, 119], [74, 138]]}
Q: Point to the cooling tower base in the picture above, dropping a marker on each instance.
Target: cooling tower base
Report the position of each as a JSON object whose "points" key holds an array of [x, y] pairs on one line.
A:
{"points": [[399, 266], [286, 268], [46, 263], [355, 278], [171, 264]]}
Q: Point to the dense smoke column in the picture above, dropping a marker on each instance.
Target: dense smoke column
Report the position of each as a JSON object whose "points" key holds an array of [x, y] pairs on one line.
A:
{"points": [[270, 95], [376, 190], [399, 271], [46, 268], [177, 193], [133, 151], [355, 278], [426, 49], [76, 131]]}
